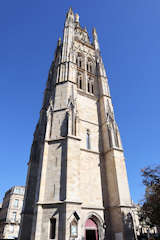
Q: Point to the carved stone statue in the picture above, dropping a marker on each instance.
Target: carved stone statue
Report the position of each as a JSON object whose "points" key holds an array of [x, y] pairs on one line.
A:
{"points": [[112, 128], [73, 118], [49, 117]]}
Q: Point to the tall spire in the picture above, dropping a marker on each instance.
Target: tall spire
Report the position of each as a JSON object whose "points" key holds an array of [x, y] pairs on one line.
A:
{"points": [[70, 11], [95, 39], [68, 34], [69, 16]]}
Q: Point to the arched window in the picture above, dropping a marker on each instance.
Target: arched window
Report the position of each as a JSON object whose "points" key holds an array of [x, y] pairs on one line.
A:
{"points": [[92, 88], [79, 60], [74, 229], [79, 80], [89, 65], [80, 83], [90, 68], [88, 140], [52, 228], [90, 85]]}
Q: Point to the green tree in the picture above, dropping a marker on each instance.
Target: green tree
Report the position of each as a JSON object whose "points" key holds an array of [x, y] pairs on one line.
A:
{"points": [[150, 211]]}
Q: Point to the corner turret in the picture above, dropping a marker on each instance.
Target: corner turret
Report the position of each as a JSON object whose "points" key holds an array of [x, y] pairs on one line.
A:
{"points": [[69, 17], [95, 39], [76, 18]]}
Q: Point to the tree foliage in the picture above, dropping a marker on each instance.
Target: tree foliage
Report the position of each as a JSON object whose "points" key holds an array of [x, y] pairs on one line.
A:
{"points": [[150, 211]]}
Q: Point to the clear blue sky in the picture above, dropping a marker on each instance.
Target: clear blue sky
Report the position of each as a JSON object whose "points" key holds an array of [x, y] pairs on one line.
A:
{"points": [[129, 38]]}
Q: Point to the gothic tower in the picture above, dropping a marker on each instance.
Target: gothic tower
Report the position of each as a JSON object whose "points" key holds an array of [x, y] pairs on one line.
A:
{"points": [[77, 185]]}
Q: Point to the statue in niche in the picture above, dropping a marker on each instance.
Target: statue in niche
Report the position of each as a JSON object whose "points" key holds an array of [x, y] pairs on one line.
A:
{"points": [[109, 114], [50, 117], [72, 115], [81, 35], [112, 128]]}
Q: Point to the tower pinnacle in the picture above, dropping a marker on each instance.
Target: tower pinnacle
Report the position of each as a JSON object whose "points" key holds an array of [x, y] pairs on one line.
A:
{"points": [[95, 39], [69, 17], [59, 42], [70, 12], [76, 18]]}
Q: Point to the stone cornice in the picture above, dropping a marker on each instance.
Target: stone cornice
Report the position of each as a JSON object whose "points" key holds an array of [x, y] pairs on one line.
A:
{"points": [[85, 43], [91, 74], [121, 206], [62, 138], [96, 124], [112, 149], [59, 202], [66, 63], [103, 95], [60, 109], [55, 139], [89, 151], [59, 83], [74, 137], [81, 92], [93, 207]]}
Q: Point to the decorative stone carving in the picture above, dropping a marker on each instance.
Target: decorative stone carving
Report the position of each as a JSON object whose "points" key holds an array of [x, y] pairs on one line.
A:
{"points": [[81, 35], [73, 118], [49, 118], [112, 128]]}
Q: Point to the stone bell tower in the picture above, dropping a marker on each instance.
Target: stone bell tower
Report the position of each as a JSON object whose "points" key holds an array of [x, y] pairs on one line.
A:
{"points": [[77, 185]]}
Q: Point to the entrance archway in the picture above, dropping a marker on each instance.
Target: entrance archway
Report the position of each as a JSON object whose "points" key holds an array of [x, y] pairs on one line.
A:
{"points": [[91, 230]]}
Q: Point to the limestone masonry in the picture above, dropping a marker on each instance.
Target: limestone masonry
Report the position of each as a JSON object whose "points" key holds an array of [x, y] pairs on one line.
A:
{"points": [[77, 186]]}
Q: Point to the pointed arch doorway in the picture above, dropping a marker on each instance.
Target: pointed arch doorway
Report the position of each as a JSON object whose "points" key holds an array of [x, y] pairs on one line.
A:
{"points": [[91, 230]]}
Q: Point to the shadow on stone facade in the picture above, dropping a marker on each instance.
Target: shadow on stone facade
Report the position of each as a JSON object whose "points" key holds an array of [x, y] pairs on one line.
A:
{"points": [[35, 165], [62, 219], [128, 227], [63, 176], [64, 126], [107, 224]]}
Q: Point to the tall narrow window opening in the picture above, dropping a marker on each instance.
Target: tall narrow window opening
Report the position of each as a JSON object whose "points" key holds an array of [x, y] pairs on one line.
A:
{"points": [[16, 201], [90, 68], [80, 83], [88, 142], [52, 228], [92, 89], [87, 66], [14, 216], [79, 60], [74, 229], [88, 87]]}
